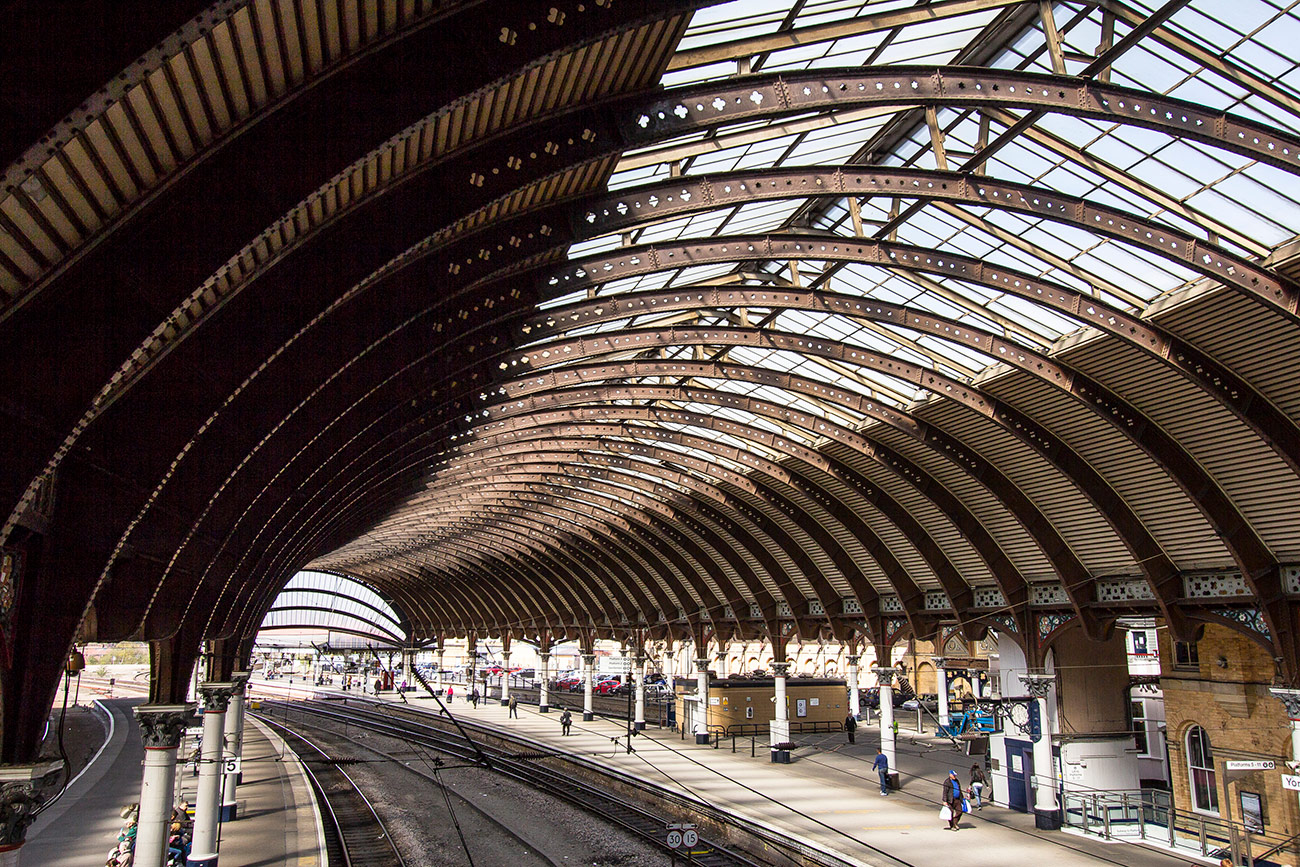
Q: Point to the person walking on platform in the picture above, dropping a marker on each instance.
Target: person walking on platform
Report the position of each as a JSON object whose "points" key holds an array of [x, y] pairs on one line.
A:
{"points": [[977, 783], [952, 798], [514, 707], [566, 720], [851, 726], [881, 767], [450, 693], [473, 698]]}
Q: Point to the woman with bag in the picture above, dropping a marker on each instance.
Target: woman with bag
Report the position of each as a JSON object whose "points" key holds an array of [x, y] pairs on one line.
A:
{"points": [[953, 801]]}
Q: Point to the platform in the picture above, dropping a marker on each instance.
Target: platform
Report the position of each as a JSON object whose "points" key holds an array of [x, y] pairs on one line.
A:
{"points": [[277, 823], [829, 795]]}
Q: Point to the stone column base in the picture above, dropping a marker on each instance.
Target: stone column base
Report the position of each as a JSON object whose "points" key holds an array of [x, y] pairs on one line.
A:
{"points": [[1047, 820], [505, 701], [638, 726], [701, 737], [543, 708], [781, 757], [588, 716], [202, 860]]}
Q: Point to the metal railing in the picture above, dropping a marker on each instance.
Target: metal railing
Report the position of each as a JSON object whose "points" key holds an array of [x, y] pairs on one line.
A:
{"points": [[1149, 815]]}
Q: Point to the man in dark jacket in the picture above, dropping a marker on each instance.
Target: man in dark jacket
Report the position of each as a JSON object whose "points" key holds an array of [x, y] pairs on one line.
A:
{"points": [[850, 726], [952, 796]]}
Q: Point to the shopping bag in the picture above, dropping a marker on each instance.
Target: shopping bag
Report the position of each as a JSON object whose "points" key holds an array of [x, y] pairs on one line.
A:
{"points": [[965, 805], [945, 813]]}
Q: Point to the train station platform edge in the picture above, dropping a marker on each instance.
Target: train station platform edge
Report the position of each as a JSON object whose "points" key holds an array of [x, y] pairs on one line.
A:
{"points": [[279, 820]]}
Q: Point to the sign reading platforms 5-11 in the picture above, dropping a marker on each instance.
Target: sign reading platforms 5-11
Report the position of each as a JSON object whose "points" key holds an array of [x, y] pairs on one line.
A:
{"points": [[1250, 766]]}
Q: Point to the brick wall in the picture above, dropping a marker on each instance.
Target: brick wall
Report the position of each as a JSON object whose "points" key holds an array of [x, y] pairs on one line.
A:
{"points": [[1226, 693]]}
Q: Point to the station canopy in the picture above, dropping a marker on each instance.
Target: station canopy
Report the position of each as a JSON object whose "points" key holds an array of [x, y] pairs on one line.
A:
{"points": [[788, 318]]}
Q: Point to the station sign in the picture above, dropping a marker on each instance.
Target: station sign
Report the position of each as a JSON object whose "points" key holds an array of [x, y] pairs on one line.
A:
{"points": [[1250, 766], [1290, 783], [233, 765]]}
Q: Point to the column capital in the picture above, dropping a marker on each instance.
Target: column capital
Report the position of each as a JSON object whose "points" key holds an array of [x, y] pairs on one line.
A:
{"points": [[216, 696], [1037, 683], [1290, 699], [544, 656], [854, 659], [589, 659], [939, 661], [163, 724], [884, 674], [21, 788], [780, 669], [702, 666], [240, 678]]}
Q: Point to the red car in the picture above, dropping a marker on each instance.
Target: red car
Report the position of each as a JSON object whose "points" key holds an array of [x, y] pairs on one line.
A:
{"points": [[607, 686], [569, 683]]}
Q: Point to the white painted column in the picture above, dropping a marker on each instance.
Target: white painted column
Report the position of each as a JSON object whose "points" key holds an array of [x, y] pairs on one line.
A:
{"points": [[439, 685], [161, 726], [779, 728], [234, 733], [638, 674], [1047, 814], [207, 803], [701, 726], [941, 685], [544, 691], [588, 666], [855, 694], [505, 676], [885, 679]]}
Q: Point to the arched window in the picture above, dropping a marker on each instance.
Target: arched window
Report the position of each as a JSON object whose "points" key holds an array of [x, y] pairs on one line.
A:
{"points": [[1200, 771]]}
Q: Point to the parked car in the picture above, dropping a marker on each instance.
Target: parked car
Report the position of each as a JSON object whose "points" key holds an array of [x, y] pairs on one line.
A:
{"points": [[607, 686]]}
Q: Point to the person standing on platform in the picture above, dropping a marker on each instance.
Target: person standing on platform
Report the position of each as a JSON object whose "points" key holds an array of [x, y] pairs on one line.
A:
{"points": [[566, 720], [473, 698], [881, 767], [514, 707], [450, 692], [851, 726]]}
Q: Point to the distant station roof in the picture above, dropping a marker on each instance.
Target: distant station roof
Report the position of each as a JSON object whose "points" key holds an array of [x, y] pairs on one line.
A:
{"points": [[781, 317]]}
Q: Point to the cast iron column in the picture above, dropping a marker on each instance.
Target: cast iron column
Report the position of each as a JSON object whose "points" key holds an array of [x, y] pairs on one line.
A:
{"points": [[161, 727], [779, 728], [588, 664], [855, 694], [638, 723], [207, 803], [885, 678], [234, 744], [20, 794], [702, 696], [1047, 814], [941, 684], [544, 691], [505, 676]]}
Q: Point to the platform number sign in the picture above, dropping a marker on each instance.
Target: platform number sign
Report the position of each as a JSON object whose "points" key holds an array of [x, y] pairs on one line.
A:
{"points": [[233, 765]]}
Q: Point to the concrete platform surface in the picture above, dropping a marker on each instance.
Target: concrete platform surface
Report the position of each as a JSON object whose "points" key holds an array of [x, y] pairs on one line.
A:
{"points": [[277, 822], [829, 794]]}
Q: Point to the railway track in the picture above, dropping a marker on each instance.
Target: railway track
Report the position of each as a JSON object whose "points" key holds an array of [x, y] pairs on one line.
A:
{"points": [[528, 768], [355, 836]]}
